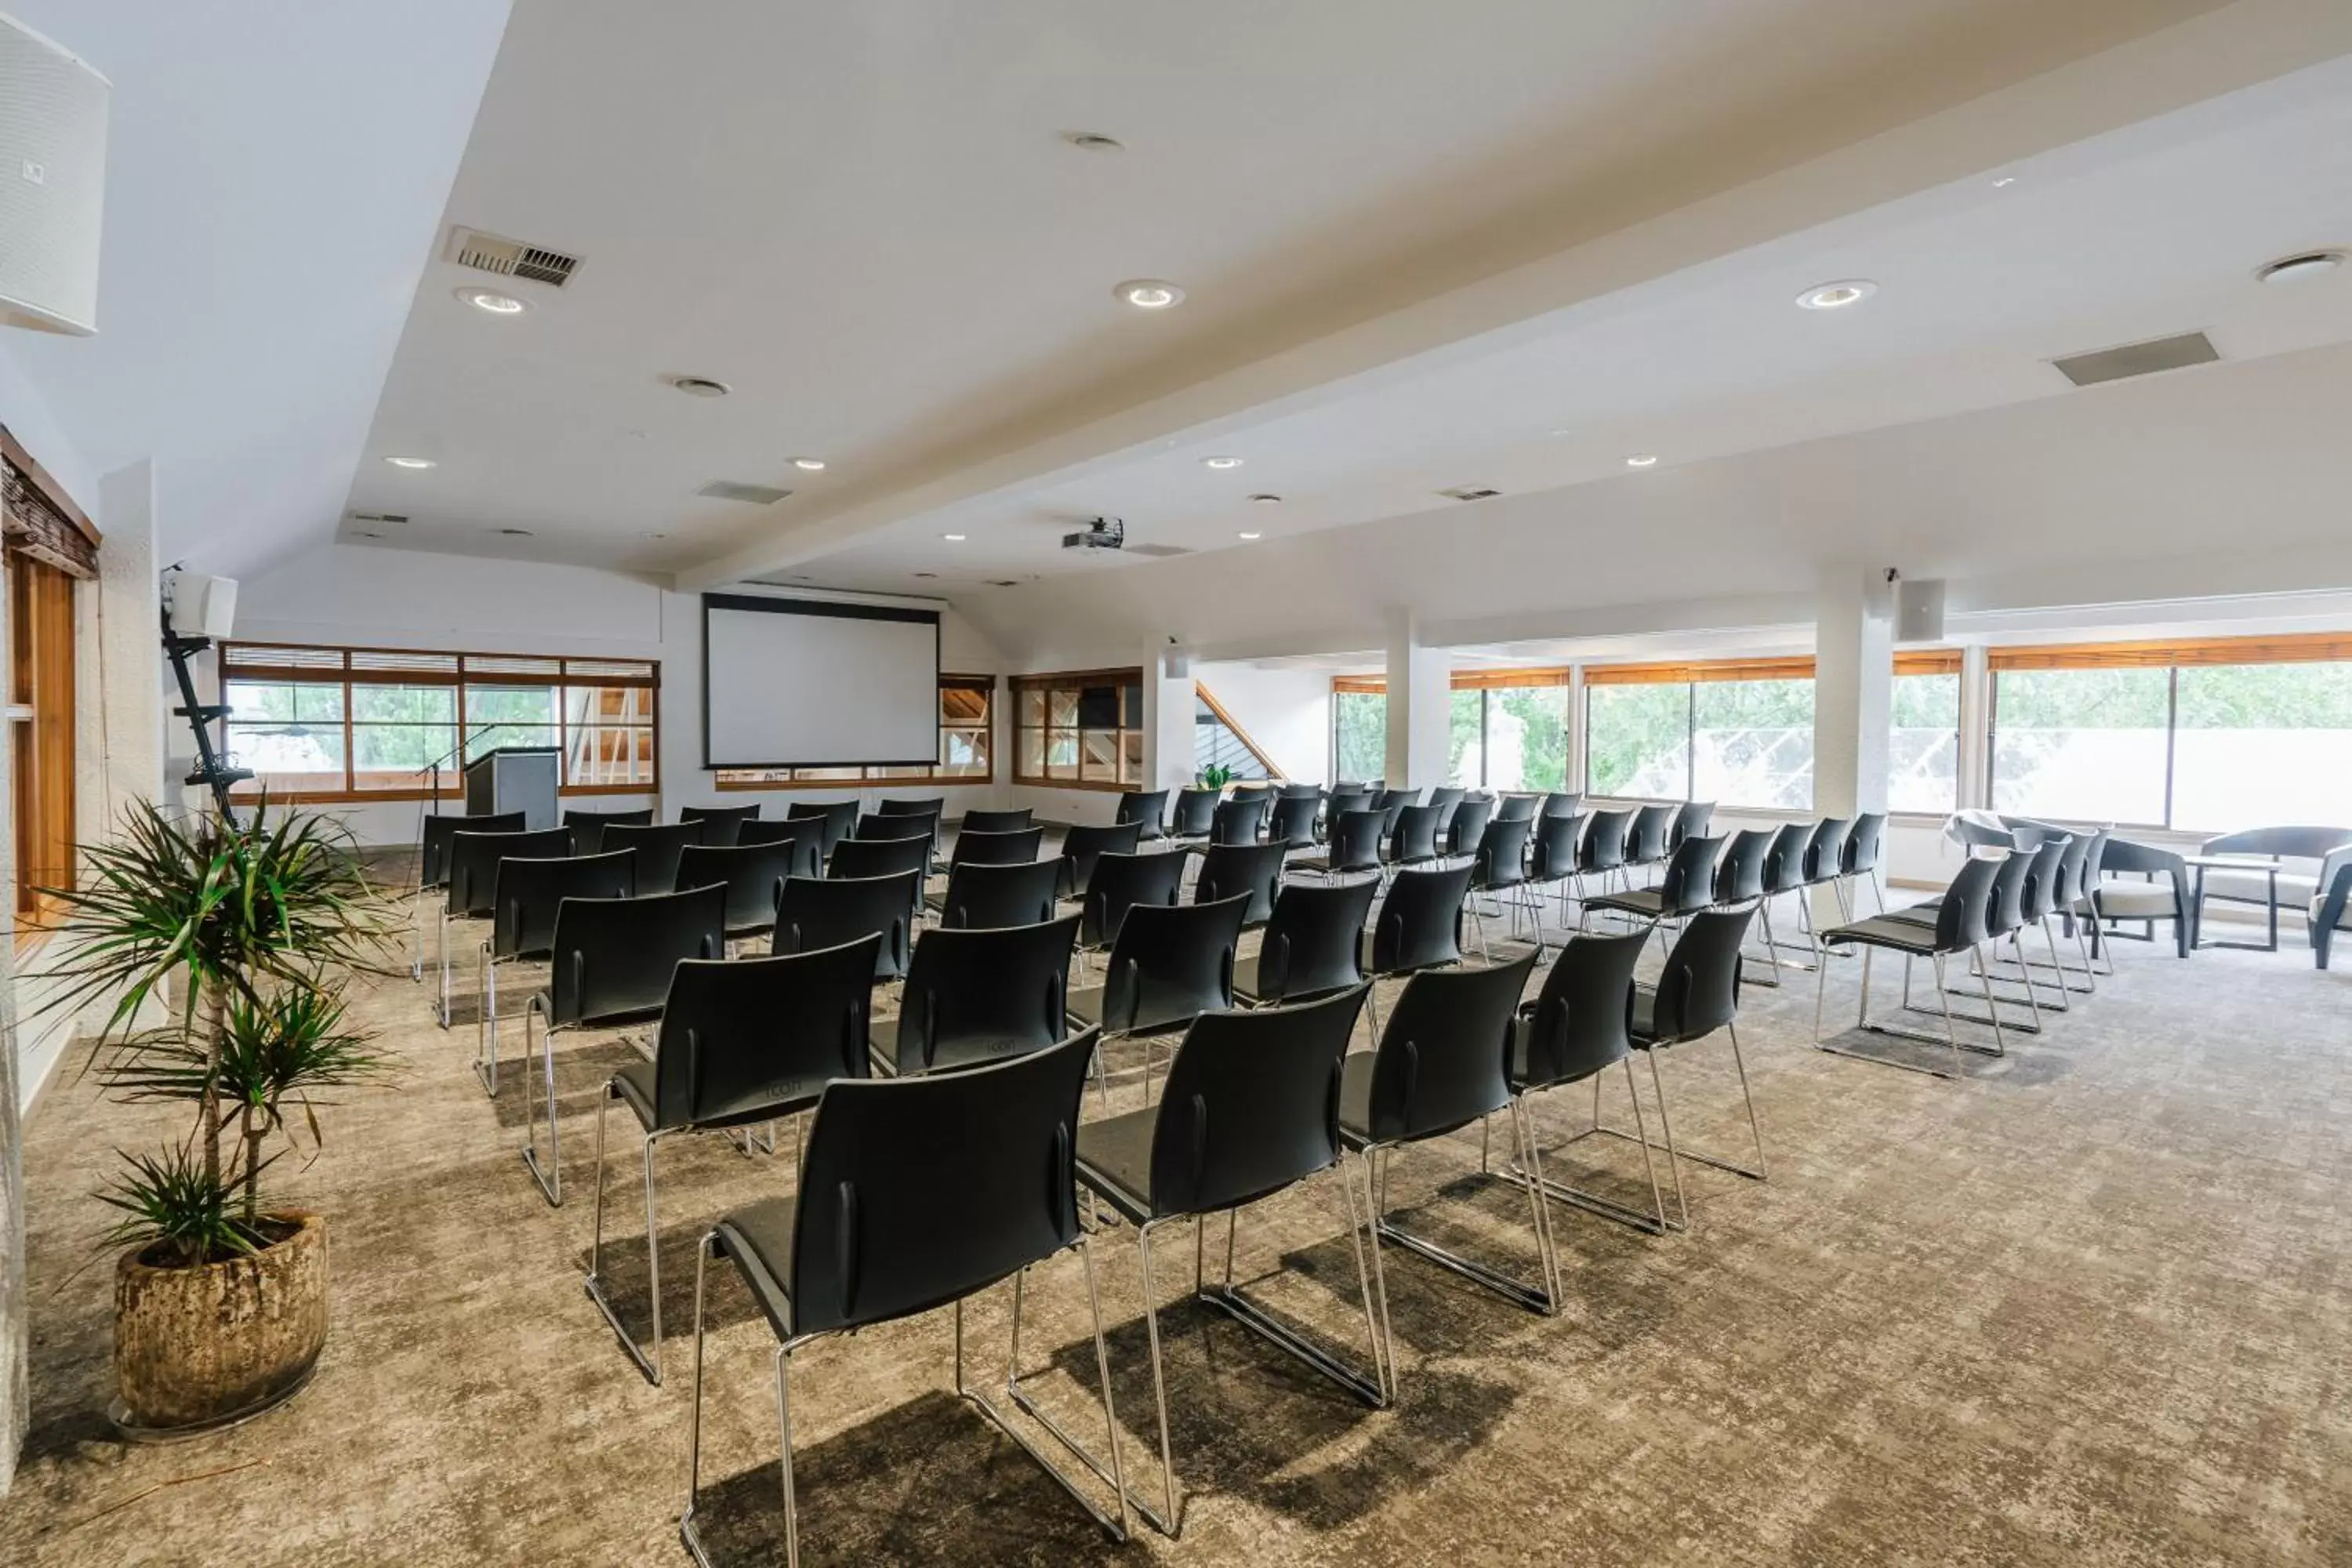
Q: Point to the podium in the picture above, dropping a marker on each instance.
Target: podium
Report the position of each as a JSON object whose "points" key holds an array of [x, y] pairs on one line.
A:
{"points": [[514, 778]]}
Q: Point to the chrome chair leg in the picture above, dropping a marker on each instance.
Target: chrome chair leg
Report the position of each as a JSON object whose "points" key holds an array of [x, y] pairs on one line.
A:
{"points": [[1114, 1472], [650, 1365], [686, 1528], [550, 1176]]}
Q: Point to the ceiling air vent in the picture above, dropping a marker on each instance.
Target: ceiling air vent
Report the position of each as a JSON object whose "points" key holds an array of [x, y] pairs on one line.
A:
{"points": [[379, 517], [728, 489], [510, 257], [2138, 359], [1470, 492], [1157, 551]]}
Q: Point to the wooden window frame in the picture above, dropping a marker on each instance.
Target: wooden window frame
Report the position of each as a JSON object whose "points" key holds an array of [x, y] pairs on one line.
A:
{"points": [[1075, 679], [870, 776], [51, 547]]}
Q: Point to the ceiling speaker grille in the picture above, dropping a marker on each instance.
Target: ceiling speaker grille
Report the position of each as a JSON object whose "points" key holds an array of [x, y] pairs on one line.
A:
{"points": [[510, 257], [729, 489], [2138, 359]]}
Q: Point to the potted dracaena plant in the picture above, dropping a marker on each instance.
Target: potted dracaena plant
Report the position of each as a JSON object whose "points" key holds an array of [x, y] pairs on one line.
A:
{"points": [[1215, 777], [235, 934]]}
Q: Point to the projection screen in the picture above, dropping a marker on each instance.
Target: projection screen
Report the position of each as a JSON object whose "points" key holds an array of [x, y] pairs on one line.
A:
{"points": [[810, 683]]}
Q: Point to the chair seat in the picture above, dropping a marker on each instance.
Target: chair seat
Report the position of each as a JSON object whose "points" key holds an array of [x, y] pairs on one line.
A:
{"points": [[1646, 901], [1246, 983], [968, 1051], [759, 1238], [1321, 864], [1522, 1033], [633, 1085], [2131, 901], [1115, 1160], [936, 902], [1085, 1007], [1887, 930]]}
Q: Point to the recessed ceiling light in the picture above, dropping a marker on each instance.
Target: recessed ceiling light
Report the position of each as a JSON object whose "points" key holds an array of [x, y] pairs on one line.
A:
{"points": [[1247, 535], [813, 465], [952, 537], [1266, 499], [1221, 462], [363, 533], [1837, 296], [926, 573], [700, 386], [1642, 460], [2003, 181], [1094, 142], [1562, 431], [1149, 293], [492, 302], [516, 532], [410, 462], [657, 536], [2299, 268]]}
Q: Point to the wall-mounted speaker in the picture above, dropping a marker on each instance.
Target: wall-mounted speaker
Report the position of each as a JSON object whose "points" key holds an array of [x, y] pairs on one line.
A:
{"points": [[1919, 611], [203, 607], [52, 183]]}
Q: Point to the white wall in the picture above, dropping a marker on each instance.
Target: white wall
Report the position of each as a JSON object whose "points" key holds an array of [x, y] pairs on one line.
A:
{"points": [[1285, 709]]}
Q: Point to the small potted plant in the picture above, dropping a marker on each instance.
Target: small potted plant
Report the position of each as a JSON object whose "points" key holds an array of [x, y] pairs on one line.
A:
{"points": [[235, 930], [1215, 777]]}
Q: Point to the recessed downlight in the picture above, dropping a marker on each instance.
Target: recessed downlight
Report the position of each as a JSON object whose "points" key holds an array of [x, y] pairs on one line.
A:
{"points": [[1642, 460], [491, 302], [2003, 182], [1149, 293], [1220, 463], [412, 462], [2301, 267], [516, 532], [812, 465], [1093, 141], [1246, 534], [952, 537], [1267, 498], [700, 386], [1837, 296]]}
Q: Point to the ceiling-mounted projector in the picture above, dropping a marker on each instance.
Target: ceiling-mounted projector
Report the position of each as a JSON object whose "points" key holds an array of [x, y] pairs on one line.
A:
{"points": [[1102, 534]]}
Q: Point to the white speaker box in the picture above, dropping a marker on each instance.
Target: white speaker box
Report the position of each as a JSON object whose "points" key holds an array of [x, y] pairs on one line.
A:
{"points": [[1919, 611], [203, 607], [52, 183]]}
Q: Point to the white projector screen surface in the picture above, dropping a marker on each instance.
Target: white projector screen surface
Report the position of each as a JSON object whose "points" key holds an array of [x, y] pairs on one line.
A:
{"points": [[808, 683]]}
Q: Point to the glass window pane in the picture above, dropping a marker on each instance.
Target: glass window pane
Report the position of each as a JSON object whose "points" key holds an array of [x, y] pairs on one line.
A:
{"points": [[289, 754], [1131, 756], [1098, 755], [398, 756], [1465, 747], [374, 704], [499, 716], [1062, 753], [1360, 722], [1062, 708], [1755, 743], [1029, 711], [1527, 738], [1637, 740], [2083, 744], [2262, 744], [1923, 745]]}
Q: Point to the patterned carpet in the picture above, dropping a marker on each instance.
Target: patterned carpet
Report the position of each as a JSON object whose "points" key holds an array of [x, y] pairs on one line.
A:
{"points": [[2088, 1307]]}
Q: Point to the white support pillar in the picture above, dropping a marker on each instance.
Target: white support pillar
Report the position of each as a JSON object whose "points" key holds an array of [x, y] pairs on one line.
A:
{"points": [[1854, 675], [123, 741], [1421, 709], [1170, 747]]}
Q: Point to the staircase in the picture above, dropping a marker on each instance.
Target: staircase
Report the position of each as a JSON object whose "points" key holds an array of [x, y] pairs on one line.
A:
{"points": [[1216, 744], [213, 768]]}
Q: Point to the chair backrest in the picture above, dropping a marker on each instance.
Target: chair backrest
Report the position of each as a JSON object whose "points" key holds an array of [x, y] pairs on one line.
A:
{"points": [[815, 912], [1389, 802], [1015, 821], [2095, 861], [1146, 808], [1081, 844], [878, 1235], [526, 895], [1739, 874], [1252, 1104], [1825, 856], [2288, 843], [1560, 803], [1553, 853], [657, 845], [721, 824], [2008, 909], [878, 857], [1298, 792], [433, 848], [2040, 898], [1344, 800], [1964, 916], [1172, 961], [1604, 841], [748, 1038], [1015, 847], [1580, 1022], [1446, 798], [838, 816], [1420, 921], [1690, 881], [753, 874], [1121, 882], [1020, 894], [873, 826], [927, 805], [983, 992], [1468, 826], [1196, 812], [588, 827], [474, 863], [1512, 808], [1646, 840], [1252, 869], [1412, 833], [1355, 842], [2068, 884], [1314, 942], [1784, 863], [806, 833], [1692, 820], [1443, 1056], [1698, 989], [1237, 821], [1295, 815], [613, 957], [1501, 858], [1861, 854]]}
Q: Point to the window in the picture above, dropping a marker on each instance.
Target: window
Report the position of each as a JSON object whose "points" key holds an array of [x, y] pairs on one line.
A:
{"points": [[967, 748], [1923, 741], [1080, 729], [51, 545], [1752, 742], [1360, 729], [1736, 731], [1510, 728], [317, 723], [2201, 736]]}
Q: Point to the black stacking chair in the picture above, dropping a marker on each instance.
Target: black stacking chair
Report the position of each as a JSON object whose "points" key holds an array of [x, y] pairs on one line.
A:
{"points": [[1603, 850], [1295, 815], [740, 1042], [1019, 894], [1936, 931], [878, 857], [825, 1261], [927, 805], [611, 961], [1419, 925], [753, 874], [2004, 920], [524, 898], [1687, 887], [1645, 839], [1442, 1063], [1517, 807], [1313, 945], [1119, 883], [1552, 858], [1342, 800], [1859, 858], [1784, 872], [588, 827], [1697, 995], [2037, 899], [1391, 803], [1169, 966], [1445, 800], [432, 867], [1196, 813], [1146, 808], [815, 912], [1498, 870], [1412, 838], [1012, 847], [1692, 820], [658, 845], [1576, 1030], [721, 824], [472, 881], [1560, 804], [1252, 869], [973, 994], [1082, 845], [1015, 821], [1240, 819], [1739, 879], [2073, 887], [806, 833], [1251, 1109], [1354, 846], [1469, 822], [873, 826], [1826, 864], [839, 818]]}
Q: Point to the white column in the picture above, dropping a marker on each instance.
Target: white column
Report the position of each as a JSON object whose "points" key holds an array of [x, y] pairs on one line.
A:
{"points": [[1169, 748], [1421, 711], [1573, 783], [123, 741], [1976, 727], [1854, 674]]}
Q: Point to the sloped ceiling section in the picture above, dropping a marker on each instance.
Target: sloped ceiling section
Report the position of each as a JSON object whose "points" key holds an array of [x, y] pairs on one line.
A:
{"points": [[276, 169]]}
